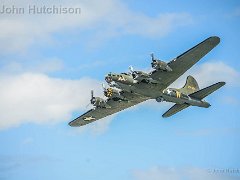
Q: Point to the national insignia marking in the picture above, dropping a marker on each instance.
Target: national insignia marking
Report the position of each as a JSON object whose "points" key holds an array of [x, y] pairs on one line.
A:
{"points": [[90, 118]]}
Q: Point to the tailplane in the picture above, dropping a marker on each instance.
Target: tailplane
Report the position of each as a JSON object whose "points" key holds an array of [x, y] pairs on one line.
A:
{"points": [[190, 86], [206, 91]]}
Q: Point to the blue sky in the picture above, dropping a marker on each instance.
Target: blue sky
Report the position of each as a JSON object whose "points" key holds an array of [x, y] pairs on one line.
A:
{"points": [[49, 64]]}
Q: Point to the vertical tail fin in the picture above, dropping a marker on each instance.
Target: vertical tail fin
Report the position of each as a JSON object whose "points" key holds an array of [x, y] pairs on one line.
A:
{"points": [[190, 86]]}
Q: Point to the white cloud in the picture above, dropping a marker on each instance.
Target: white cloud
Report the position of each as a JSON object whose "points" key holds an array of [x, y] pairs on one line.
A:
{"points": [[38, 98], [156, 173], [107, 19], [46, 65], [209, 73]]}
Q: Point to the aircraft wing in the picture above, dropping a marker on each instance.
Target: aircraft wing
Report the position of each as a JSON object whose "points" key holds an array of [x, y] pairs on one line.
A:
{"points": [[175, 109], [185, 61], [99, 113]]}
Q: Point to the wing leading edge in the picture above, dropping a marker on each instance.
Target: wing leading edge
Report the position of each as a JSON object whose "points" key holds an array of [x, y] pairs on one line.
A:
{"points": [[185, 61], [99, 113], [202, 93], [175, 109]]}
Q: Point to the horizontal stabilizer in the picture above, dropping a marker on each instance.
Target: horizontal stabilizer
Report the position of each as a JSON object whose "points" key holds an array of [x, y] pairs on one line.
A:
{"points": [[206, 91], [174, 109]]}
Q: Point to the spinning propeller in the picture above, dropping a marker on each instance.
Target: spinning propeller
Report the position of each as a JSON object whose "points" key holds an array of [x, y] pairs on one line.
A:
{"points": [[108, 92]]}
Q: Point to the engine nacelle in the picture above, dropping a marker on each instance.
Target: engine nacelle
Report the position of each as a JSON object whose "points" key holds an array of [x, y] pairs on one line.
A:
{"points": [[99, 102], [160, 65], [114, 94], [141, 74], [109, 92], [123, 78]]}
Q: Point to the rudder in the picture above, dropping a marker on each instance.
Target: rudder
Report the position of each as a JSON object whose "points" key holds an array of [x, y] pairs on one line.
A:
{"points": [[190, 86]]}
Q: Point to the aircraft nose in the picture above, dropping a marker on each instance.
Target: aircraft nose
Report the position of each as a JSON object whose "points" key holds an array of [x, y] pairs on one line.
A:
{"points": [[108, 78]]}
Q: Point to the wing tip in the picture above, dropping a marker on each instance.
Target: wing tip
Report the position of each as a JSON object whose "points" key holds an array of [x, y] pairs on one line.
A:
{"points": [[222, 83], [71, 124], [165, 115], [216, 40]]}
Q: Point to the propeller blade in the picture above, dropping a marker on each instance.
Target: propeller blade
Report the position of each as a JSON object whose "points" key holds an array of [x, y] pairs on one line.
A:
{"points": [[152, 55], [91, 94], [103, 86], [131, 69]]}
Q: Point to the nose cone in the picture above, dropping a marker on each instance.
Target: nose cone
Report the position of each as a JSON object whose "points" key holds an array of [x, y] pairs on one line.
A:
{"points": [[108, 79]]}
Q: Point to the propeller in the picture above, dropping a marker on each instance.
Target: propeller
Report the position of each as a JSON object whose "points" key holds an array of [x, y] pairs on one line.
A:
{"points": [[131, 69], [107, 91], [152, 55], [154, 61], [104, 86], [91, 94], [93, 99], [134, 73]]}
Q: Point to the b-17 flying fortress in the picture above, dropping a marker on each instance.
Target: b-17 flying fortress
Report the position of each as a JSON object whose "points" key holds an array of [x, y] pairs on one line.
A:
{"points": [[128, 89]]}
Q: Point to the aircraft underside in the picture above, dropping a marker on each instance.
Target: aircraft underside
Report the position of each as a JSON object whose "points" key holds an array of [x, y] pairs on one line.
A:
{"points": [[124, 90]]}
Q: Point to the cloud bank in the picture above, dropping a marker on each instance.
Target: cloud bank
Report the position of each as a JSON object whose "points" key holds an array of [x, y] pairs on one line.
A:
{"points": [[31, 96], [209, 73], [105, 20], [38, 98]]}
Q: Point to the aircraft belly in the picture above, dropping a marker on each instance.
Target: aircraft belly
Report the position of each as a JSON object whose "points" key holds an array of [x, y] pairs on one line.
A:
{"points": [[192, 102], [146, 90], [196, 102], [149, 90], [174, 99], [136, 87]]}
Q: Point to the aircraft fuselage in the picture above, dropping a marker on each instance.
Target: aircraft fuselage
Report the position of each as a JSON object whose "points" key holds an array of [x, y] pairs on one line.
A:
{"points": [[175, 96], [152, 90]]}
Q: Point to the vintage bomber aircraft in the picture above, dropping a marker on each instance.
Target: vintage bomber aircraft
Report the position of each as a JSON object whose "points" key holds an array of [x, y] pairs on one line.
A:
{"points": [[128, 89]]}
